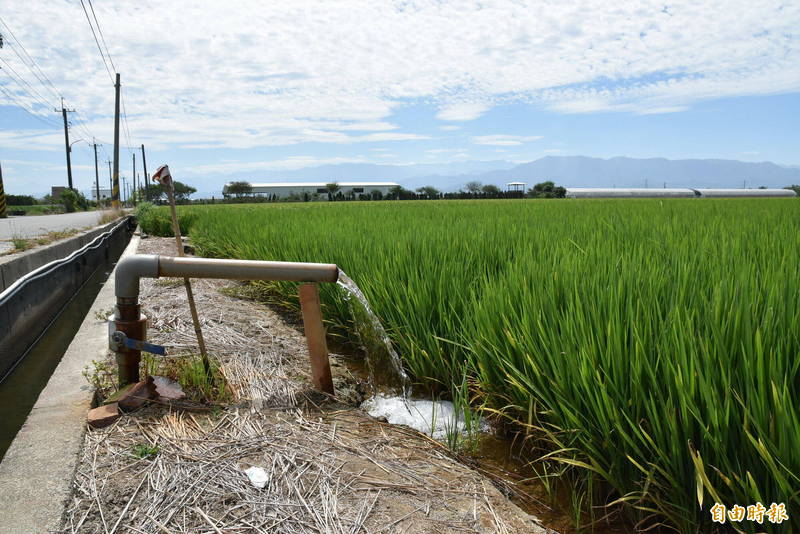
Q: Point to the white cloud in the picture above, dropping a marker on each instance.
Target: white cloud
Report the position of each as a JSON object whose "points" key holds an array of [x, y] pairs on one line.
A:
{"points": [[445, 150], [281, 73], [366, 126], [286, 164], [661, 110], [31, 140], [462, 112], [391, 137], [449, 127], [504, 140]]}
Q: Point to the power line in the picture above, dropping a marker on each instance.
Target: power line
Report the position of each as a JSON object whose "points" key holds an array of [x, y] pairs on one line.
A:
{"points": [[125, 120], [34, 73], [25, 109], [82, 124], [102, 56], [32, 66], [22, 82], [31, 63], [110, 59], [102, 36], [35, 95]]}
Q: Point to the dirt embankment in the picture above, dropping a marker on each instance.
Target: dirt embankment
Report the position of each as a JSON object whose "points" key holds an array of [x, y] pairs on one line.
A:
{"points": [[329, 468]]}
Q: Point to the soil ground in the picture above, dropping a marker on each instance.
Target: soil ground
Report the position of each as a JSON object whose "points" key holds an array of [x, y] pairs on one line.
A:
{"points": [[179, 467]]}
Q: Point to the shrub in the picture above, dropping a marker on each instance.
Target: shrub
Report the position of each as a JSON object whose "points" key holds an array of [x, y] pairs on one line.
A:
{"points": [[157, 220], [73, 200], [20, 200]]}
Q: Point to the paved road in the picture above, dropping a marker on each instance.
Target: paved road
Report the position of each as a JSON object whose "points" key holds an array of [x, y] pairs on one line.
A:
{"points": [[34, 225]]}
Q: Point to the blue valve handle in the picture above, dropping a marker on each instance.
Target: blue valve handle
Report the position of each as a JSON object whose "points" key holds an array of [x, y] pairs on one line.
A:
{"points": [[135, 344]]}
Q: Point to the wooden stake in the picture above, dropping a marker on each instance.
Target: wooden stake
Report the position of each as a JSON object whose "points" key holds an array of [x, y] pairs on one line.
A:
{"points": [[176, 229], [315, 337]]}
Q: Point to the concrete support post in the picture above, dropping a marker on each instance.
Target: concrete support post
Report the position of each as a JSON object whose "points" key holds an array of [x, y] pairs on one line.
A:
{"points": [[315, 337]]}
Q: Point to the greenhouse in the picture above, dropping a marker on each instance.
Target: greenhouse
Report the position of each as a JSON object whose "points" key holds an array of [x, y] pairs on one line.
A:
{"points": [[623, 192]]}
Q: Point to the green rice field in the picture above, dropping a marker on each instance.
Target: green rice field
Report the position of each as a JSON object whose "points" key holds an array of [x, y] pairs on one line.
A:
{"points": [[650, 347]]}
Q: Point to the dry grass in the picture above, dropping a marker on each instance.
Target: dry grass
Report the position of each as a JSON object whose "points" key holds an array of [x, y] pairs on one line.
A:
{"points": [[332, 473], [109, 215], [21, 244]]}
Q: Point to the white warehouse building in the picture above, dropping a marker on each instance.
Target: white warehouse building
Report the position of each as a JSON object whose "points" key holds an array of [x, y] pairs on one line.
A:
{"points": [[105, 194], [287, 189]]}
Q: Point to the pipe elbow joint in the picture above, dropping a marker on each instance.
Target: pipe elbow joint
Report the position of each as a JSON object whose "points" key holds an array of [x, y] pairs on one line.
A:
{"points": [[130, 270]]}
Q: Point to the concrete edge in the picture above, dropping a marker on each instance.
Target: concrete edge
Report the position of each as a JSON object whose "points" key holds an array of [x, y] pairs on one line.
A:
{"points": [[13, 266], [37, 472]]}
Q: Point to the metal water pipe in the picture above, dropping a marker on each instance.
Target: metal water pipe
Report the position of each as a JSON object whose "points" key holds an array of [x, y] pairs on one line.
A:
{"points": [[128, 319]]}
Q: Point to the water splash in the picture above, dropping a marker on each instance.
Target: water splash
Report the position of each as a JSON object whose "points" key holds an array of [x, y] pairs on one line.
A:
{"points": [[439, 419], [383, 363]]}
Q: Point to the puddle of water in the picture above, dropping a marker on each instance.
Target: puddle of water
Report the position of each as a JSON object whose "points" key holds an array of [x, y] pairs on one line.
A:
{"points": [[21, 388]]}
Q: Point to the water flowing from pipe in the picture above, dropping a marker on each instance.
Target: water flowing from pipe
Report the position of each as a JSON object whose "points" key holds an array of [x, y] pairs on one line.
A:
{"points": [[383, 363], [391, 398]]}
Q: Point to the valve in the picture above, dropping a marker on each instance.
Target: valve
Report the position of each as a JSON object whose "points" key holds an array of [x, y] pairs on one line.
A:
{"points": [[118, 342]]}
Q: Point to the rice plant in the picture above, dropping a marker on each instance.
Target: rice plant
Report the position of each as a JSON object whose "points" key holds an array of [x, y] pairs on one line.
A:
{"points": [[651, 345]]}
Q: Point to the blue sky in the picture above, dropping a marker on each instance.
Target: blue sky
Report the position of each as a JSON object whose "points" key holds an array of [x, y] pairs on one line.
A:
{"points": [[282, 86]]}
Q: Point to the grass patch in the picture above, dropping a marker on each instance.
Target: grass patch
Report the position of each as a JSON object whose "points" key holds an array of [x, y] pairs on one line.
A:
{"points": [[158, 220], [38, 209], [102, 376], [21, 244], [189, 372], [143, 450]]}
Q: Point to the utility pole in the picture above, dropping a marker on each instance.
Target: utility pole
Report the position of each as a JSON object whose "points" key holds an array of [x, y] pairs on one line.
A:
{"points": [[146, 178], [110, 179], [64, 112], [96, 174], [2, 192], [3, 214], [134, 178], [124, 188], [115, 187]]}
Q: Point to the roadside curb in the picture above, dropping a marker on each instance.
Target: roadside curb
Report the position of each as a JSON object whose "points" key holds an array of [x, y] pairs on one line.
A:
{"points": [[37, 472], [14, 266]]}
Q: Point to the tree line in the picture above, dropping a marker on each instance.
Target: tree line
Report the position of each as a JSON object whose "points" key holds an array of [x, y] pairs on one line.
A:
{"points": [[243, 191]]}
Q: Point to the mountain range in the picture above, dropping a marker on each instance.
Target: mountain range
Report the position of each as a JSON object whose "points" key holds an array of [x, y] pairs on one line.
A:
{"points": [[569, 171]]}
